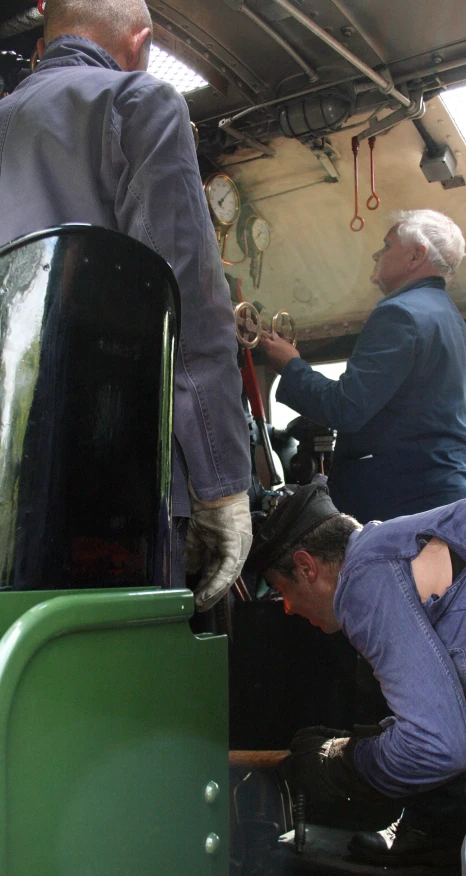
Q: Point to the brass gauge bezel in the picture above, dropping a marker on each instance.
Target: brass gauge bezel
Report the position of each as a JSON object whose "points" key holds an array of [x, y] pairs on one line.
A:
{"points": [[208, 188]]}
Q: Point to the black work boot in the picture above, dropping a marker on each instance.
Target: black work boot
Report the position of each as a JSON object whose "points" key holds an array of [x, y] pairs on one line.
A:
{"points": [[403, 843]]}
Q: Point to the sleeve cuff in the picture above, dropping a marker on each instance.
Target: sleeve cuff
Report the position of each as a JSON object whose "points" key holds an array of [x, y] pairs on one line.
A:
{"points": [[285, 392]]}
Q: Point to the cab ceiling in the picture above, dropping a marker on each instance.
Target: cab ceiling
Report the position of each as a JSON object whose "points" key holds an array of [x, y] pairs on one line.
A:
{"points": [[255, 52], [221, 34], [417, 44]]}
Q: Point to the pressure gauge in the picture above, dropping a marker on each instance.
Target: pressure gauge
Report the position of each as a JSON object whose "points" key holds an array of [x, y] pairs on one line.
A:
{"points": [[222, 198], [260, 233]]}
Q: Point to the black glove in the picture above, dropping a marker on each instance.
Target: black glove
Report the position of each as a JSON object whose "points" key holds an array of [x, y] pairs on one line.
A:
{"points": [[319, 730], [361, 731], [324, 769], [336, 794]]}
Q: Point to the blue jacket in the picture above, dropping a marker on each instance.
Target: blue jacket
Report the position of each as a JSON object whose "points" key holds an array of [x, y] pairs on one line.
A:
{"points": [[400, 407], [417, 651], [82, 141]]}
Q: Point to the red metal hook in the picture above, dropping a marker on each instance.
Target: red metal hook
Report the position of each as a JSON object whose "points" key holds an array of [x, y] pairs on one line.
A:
{"points": [[357, 222], [374, 196], [41, 6]]}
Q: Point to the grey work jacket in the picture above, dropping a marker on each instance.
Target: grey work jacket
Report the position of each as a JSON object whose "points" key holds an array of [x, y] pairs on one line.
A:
{"points": [[82, 141]]}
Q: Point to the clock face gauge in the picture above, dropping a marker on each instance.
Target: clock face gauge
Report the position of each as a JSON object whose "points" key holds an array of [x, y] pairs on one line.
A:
{"points": [[223, 198], [260, 234]]}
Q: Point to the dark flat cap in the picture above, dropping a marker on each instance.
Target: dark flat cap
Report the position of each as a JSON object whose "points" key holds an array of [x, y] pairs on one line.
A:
{"points": [[295, 517]]}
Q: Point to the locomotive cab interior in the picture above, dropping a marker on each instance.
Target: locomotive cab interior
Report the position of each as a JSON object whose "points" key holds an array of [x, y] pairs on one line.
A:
{"points": [[314, 120]]}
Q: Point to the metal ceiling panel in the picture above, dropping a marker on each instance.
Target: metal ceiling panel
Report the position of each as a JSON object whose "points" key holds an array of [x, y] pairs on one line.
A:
{"points": [[406, 29], [247, 68]]}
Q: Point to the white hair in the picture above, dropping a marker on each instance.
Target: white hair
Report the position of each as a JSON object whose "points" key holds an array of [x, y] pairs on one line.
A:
{"points": [[443, 239]]}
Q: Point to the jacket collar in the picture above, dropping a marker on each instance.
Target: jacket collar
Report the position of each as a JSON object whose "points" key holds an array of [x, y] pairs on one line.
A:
{"points": [[68, 50], [435, 281]]}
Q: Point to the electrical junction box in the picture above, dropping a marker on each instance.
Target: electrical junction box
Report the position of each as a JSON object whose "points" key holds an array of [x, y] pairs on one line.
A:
{"points": [[440, 167]]}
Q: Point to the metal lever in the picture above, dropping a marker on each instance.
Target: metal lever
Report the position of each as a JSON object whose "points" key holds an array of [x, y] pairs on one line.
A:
{"points": [[253, 393], [299, 821]]}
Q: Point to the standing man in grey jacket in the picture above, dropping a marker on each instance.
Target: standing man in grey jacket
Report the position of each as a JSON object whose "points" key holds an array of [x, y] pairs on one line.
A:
{"points": [[91, 137]]}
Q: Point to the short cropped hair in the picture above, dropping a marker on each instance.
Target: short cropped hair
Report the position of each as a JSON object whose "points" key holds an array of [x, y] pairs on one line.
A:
{"points": [[327, 541], [438, 233], [112, 17]]}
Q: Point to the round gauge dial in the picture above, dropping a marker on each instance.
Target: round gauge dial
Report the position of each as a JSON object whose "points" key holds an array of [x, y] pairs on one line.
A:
{"points": [[222, 198], [260, 234]]}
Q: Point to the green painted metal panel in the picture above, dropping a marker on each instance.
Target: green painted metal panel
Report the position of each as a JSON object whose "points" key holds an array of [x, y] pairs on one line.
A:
{"points": [[113, 722]]}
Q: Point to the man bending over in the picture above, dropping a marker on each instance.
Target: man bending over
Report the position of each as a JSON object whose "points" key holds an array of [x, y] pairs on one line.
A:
{"points": [[397, 590]]}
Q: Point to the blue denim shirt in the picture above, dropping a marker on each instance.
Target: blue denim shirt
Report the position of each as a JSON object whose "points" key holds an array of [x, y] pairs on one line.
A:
{"points": [[399, 408], [82, 141], [417, 651]]}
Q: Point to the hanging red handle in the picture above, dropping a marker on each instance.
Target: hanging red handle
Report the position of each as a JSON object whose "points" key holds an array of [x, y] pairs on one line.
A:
{"points": [[357, 222], [373, 200], [248, 373], [41, 6]]}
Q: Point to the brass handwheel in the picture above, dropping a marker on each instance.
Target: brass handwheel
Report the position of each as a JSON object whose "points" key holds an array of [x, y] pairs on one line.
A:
{"points": [[284, 325], [248, 325]]}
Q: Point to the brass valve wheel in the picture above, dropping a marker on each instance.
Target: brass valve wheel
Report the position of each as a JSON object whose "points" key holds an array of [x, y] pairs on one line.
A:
{"points": [[248, 325], [284, 325]]}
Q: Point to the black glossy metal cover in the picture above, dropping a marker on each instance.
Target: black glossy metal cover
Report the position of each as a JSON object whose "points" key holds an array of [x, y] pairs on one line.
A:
{"points": [[87, 348]]}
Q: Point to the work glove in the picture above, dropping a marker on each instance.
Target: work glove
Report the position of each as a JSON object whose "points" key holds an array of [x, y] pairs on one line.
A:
{"points": [[336, 794], [360, 730], [320, 730], [218, 541], [327, 766]]}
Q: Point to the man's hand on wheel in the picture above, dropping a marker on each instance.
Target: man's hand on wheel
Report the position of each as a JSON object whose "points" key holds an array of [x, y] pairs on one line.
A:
{"points": [[278, 351]]}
